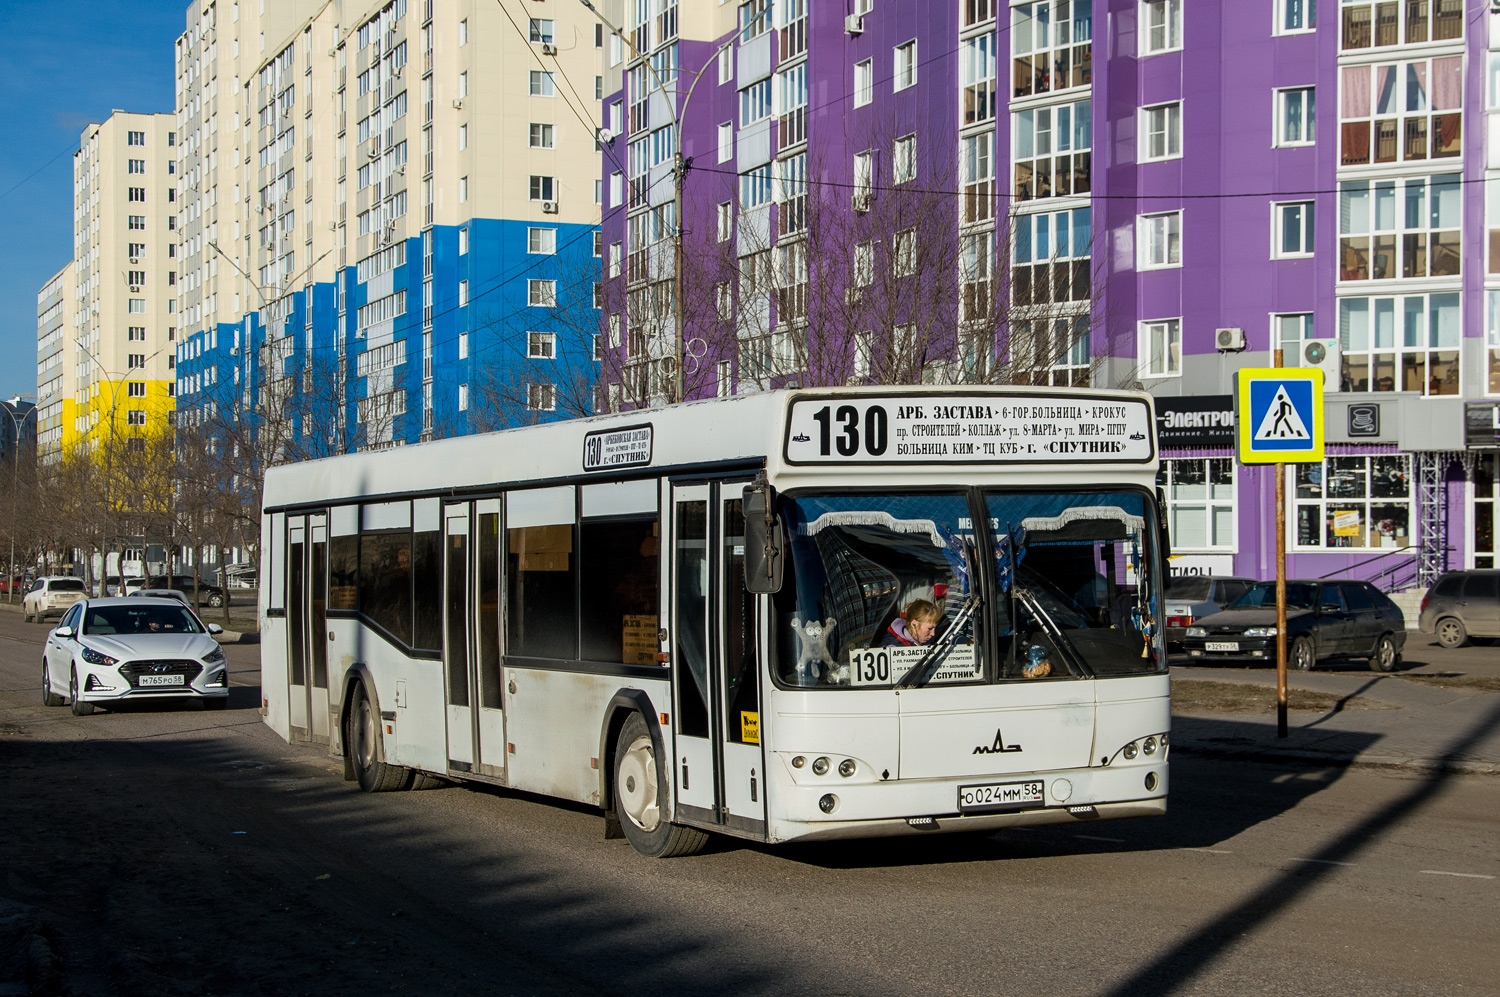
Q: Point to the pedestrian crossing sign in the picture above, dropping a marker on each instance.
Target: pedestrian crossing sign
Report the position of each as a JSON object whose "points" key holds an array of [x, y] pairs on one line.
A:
{"points": [[1280, 415]]}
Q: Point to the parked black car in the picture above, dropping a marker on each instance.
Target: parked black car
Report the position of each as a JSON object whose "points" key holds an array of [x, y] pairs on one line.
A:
{"points": [[1325, 619], [1189, 598], [1460, 605]]}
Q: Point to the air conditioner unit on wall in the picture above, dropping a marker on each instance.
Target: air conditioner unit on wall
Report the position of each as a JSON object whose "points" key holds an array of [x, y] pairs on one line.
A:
{"points": [[549, 207], [854, 24], [860, 202], [549, 49], [1226, 340], [1325, 355]]}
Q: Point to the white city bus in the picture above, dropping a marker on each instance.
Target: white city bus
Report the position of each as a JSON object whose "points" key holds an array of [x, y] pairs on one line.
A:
{"points": [[685, 616]]}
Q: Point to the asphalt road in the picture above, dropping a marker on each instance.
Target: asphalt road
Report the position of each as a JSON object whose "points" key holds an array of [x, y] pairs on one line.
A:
{"points": [[175, 851]]}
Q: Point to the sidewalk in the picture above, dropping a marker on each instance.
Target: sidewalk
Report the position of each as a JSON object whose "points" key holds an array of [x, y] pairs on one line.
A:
{"points": [[1431, 728]]}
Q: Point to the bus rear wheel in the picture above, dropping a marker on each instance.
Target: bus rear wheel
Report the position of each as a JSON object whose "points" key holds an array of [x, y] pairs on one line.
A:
{"points": [[640, 797], [362, 743]]}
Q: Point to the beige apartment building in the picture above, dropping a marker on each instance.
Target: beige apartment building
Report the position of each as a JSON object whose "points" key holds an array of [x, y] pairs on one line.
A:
{"points": [[106, 322]]}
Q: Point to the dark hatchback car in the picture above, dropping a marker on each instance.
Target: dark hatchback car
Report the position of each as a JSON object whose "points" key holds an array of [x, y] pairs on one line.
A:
{"points": [[1460, 605], [1325, 619]]}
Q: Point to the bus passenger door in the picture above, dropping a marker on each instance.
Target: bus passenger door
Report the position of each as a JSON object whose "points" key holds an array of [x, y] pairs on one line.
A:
{"points": [[687, 609], [458, 652], [490, 695], [317, 627], [737, 675], [296, 626]]}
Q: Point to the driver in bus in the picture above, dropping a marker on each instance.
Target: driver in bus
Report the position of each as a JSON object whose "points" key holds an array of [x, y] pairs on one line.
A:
{"points": [[915, 626]]}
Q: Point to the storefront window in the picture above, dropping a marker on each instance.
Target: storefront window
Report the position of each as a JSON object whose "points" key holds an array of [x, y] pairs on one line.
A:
{"points": [[1354, 502], [1200, 502]]}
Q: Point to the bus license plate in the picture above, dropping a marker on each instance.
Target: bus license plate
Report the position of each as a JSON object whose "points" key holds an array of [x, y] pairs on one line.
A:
{"points": [[160, 680], [999, 795], [1222, 645]]}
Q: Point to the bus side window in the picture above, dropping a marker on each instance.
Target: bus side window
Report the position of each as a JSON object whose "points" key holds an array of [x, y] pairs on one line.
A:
{"points": [[541, 608], [620, 587]]}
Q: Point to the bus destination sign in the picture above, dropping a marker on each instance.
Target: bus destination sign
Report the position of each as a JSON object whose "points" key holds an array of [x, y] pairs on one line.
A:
{"points": [[969, 429], [616, 448]]}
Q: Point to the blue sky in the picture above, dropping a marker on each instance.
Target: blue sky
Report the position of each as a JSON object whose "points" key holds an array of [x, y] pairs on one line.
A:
{"points": [[64, 63]]}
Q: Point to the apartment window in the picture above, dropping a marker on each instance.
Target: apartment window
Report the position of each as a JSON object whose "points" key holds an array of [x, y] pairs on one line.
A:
{"points": [[463, 293], [542, 188], [864, 84], [1400, 228], [135, 389], [864, 174], [726, 141], [1295, 16], [1294, 116], [904, 252], [463, 397], [463, 189], [724, 221], [862, 265], [1051, 46], [1161, 26], [726, 65], [1381, 23], [977, 77], [755, 19], [1161, 348], [1048, 352], [976, 268], [598, 88], [463, 241], [1401, 343], [755, 187], [137, 249], [755, 103], [616, 251], [135, 361], [463, 137], [724, 301], [1161, 132], [135, 166], [136, 306], [1353, 502], [135, 417], [598, 244], [541, 240], [137, 222], [1289, 332], [1160, 241], [541, 84], [596, 291], [541, 30], [1401, 111], [463, 31], [135, 138], [136, 334], [598, 191], [977, 176], [541, 345], [541, 293], [136, 193], [135, 277], [791, 96], [977, 12], [904, 70], [1053, 151], [1050, 257], [1292, 229], [904, 159], [1200, 502], [541, 397]]}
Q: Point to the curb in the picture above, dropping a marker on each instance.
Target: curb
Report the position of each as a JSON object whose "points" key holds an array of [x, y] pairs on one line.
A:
{"points": [[1255, 753]]}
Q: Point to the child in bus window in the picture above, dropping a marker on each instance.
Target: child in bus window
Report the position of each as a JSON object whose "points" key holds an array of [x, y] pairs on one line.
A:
{"points": [[915, 626]]}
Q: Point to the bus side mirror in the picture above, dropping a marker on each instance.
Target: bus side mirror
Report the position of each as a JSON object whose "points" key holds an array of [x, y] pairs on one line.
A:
{"points": [[1163, 536], [765, 549]]}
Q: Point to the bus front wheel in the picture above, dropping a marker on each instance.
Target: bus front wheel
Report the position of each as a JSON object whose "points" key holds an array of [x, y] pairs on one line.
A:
{"points": [[641, 797], [362, 742]]}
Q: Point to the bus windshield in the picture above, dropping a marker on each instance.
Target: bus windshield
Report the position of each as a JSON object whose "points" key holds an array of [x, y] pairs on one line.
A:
{"points": [[858, 563], [884, 590]]}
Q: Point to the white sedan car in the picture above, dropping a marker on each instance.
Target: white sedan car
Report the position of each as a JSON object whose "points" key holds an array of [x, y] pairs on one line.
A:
{"points": [[108, 650]]}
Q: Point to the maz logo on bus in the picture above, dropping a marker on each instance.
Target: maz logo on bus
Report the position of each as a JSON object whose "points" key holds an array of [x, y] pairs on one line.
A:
{"points": [[848, 429]]}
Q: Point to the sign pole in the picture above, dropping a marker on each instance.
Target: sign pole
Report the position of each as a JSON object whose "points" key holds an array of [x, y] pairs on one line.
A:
{"points": [[1280, 588]]}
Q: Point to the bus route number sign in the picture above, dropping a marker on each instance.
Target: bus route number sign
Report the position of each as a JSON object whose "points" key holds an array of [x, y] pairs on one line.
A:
{"points": [[630, 447], [969, 429]]}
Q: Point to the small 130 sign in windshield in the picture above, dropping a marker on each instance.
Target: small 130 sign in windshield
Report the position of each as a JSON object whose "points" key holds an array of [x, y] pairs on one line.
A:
{"points": [[969, 429]]}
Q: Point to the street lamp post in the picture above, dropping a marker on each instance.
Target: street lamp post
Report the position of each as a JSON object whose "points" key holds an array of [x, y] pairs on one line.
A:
{"points": [[15, 484], [680, 166]]}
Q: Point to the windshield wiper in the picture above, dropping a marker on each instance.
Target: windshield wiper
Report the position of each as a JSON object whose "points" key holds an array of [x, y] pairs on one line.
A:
{"points": [[923, 670], [1049, 627]]}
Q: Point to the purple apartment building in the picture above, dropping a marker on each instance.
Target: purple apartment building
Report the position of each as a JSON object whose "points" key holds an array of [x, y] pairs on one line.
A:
{"points": [[1115, 193]]}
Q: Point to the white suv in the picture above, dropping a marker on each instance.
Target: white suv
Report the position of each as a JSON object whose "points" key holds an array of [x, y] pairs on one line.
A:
{"points": [[51, 595]]}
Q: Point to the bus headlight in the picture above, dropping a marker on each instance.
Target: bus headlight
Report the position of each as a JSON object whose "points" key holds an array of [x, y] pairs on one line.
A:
{"points": [[846, 767], [798, 761], [820, 766], [1130, 751], [1149, 745], [828, 803]]}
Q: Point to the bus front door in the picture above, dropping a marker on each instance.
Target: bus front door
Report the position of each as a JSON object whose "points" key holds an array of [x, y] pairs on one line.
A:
{"points": [[471, 637], [307, 626], [718, 768]]}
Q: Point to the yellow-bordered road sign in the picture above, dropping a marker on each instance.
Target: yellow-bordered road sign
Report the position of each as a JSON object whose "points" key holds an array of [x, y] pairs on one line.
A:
{"points": [[1280, 415]]}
